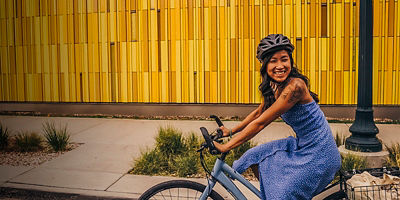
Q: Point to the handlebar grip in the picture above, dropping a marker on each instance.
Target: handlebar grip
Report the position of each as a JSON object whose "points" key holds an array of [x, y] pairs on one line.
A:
{"points": [[217, 120], [209, 141]]}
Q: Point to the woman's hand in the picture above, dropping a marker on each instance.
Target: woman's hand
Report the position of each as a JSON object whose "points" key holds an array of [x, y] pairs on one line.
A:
{"points": [[220, 147], [225, 131]]}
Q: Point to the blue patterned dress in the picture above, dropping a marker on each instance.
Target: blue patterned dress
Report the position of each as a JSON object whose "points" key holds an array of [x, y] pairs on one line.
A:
{"points": [[296, 168]]}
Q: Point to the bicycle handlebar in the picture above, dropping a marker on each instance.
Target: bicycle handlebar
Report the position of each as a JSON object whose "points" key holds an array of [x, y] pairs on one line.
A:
{"points": [[220, 134], [217, 120], [209, 139]]}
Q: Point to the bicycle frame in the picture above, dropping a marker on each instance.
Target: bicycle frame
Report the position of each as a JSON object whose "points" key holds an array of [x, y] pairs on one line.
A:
{"points": [[219, 175]]}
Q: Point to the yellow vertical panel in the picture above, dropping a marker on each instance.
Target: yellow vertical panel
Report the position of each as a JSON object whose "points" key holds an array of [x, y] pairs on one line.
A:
{"points": [[377, 17], [64, 58], [95, 26], [178, 79], [155, 90], [298, 17], [9, 32], [153, 25], [246, 70], [105, 86], [313, 57], [346, 88], [83, 28], [3, 27], [124, 71], [44, 30], [154, 55], [324, 53], [184, 70], [3, 61], [18, 31], [38, 58], [103, 27], [103, 56], [121, 26], [91, 87], [146, 87], [46, 87], [90, 29], [375, 61], [191, 83], [72, 87], [13, 87], [91, 57], [2, 88], [20, 61], [63, 22], [134, 27], [22, 87], [338, 99], [3, 9], [164, 70], [112, 26]]}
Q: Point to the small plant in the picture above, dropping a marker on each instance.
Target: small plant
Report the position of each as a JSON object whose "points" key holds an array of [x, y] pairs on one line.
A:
{"points": [[149, 163], [393, 158], [4, 137], [351, 161], [170, 141], [58, 139], [186, 165], [340, 139], [28, 142]]}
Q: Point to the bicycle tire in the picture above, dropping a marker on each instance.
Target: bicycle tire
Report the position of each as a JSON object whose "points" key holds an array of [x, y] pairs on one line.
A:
{"points": [[160, 191], [336, 196]]}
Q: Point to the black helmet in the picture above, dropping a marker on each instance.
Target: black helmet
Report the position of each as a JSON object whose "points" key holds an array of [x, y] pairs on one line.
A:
{"points": [[272, 43]]}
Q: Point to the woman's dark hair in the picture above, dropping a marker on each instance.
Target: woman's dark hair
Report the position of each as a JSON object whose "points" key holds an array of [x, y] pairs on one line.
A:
{"points": [[265, 87]]}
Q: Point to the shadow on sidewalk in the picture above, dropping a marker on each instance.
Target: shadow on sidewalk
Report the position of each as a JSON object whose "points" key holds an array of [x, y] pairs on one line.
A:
{"points": [[19, 194]]}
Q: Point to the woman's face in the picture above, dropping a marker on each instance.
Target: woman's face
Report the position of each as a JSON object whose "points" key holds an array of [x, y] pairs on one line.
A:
{"points": [[278, 67]]}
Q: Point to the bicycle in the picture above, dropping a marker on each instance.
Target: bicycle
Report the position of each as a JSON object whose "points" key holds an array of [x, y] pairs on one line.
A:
{"points": [[224, 174]]}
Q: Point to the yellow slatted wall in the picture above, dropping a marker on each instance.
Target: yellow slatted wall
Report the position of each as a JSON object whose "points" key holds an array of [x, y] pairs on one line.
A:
{"points": [[196, 51]]}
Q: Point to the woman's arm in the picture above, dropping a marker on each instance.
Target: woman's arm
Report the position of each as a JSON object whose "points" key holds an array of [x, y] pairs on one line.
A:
{"points": [[295, 91], [251, 117]]}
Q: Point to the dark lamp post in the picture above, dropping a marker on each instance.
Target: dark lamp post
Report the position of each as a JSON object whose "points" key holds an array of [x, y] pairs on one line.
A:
{"points": [[363, 131]]}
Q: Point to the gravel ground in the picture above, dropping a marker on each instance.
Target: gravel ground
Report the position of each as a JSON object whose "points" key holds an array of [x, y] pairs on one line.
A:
{"points": [[35, 158], [20, 194]]}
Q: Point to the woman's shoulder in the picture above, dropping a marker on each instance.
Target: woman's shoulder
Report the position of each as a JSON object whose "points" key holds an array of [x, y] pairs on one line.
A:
{"points": [[296, 84]]}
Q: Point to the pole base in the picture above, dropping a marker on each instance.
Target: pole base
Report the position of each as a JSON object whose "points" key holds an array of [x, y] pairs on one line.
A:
{"points": [[363, 144]]}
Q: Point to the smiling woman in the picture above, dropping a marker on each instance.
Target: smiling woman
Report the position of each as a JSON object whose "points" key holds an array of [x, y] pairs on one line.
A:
{"points": [[290, 168]]}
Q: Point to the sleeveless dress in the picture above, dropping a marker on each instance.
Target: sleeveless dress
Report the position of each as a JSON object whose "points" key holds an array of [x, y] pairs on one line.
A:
{"points": [[296, 168]]}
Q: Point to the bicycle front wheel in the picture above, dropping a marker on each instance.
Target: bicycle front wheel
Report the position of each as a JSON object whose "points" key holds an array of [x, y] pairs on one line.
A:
{"points": [[178, 189]]}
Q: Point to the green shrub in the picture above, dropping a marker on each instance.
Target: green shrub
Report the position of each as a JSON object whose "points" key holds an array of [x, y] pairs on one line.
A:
{"points": [[58, 139], [393, 158], [169, 141], [192, 142], [351, 161], [28, 142], [4, 137], [176, 155], [150, 163], [186, 165]]}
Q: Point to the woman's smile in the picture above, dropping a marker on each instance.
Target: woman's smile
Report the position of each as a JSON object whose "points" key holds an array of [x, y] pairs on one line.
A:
{"points": [[279, 66]]}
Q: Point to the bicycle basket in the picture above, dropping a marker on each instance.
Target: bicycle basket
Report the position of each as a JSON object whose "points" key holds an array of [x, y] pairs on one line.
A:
{"points": [[373, 191]]}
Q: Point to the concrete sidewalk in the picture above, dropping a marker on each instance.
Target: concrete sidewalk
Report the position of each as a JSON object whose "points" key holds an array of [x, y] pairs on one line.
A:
{"points": [[99, 166]]}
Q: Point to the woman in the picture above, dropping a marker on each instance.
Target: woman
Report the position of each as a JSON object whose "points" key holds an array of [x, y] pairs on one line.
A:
{"points": [[290, 168]]}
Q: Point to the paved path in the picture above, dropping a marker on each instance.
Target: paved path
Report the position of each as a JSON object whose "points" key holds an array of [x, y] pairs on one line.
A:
{"points": [[99, 166]]}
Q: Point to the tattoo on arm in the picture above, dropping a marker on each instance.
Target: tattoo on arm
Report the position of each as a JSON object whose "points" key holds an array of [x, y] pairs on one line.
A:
{"points": [[297, 93]]}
